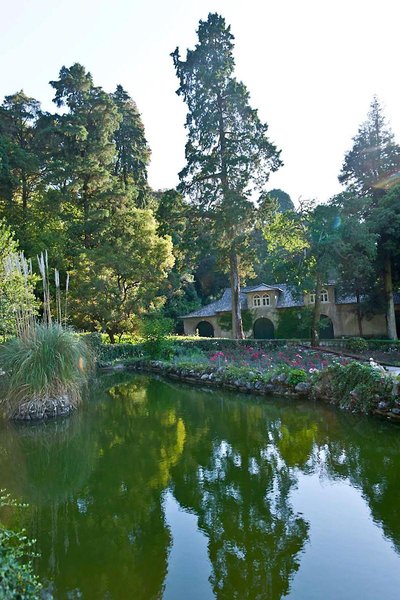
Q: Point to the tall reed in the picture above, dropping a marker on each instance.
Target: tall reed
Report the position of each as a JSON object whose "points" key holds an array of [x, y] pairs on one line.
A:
{"points": [[17, 267], [46, 363]]}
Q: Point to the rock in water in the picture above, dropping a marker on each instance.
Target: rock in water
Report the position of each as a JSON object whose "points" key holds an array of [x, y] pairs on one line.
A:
{"points": [[303, 387], [42, 409]]}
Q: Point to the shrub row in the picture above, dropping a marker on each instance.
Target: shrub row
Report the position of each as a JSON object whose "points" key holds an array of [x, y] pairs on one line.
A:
{"points": [[358, 344]]}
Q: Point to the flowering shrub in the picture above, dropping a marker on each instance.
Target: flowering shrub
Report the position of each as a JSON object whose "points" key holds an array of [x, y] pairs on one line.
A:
{"points": [[305, 360], [217, 356]]}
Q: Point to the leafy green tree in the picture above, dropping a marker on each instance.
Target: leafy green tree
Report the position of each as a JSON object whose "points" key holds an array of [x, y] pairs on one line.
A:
{"points": [[15, 291], [84, 161], [282, 198], [304, 248], [384, 220], [356, 255], [228, 153], [268, 204], [120, 278]]}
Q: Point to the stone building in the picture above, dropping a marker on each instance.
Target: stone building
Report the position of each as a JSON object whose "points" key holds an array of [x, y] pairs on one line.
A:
{"points": [[267, 304]]}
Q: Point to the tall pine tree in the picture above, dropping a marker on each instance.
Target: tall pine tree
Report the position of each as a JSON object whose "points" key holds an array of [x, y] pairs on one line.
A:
{"points": [[374, 158], [228, 153], [371, 168], [132, 150]]}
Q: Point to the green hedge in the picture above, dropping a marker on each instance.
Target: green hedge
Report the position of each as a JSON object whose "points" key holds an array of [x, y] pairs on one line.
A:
{"points": [[363, 344]]}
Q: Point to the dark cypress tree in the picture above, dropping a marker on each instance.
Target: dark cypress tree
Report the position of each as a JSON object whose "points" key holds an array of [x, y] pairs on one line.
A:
{"points": [[228, 153]]}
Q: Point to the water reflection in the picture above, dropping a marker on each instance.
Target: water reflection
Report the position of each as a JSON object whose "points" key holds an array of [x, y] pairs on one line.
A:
{"points": [[232, 475], [96, 484]]}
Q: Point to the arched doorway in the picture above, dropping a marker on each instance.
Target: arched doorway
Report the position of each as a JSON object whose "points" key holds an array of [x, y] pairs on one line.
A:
{"points": [[263, 329], [205, 329], [326, 331]]}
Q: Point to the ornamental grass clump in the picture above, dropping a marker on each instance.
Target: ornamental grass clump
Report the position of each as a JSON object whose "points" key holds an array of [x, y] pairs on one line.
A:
{"points": [[44, 371], [46, 363]]}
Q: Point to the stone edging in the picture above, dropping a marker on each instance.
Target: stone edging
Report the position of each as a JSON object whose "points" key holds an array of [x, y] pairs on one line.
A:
{"points": [[277, 387]]}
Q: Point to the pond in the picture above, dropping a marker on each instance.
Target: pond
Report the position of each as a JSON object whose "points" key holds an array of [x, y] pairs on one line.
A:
{"points": [[159, 490]]}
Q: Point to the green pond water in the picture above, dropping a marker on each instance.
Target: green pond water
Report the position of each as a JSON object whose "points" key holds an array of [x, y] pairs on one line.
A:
{"points": [[159, 490]]}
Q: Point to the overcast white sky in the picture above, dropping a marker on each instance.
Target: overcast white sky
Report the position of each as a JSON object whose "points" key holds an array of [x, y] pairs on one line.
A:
{"points": [[312, 67]]}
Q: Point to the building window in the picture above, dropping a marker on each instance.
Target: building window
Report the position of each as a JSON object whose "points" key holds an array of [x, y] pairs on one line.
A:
{"points": [[256, 301], [266, 300], [324, 297]]}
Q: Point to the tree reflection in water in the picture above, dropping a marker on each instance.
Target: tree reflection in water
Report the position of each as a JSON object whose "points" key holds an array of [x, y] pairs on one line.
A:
{"points": [[96, 484], [232, 476]]}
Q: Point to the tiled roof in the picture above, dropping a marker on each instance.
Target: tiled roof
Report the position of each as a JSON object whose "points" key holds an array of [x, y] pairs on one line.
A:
{"points": [[352, 298], [262, 288], [224, 304], [288, 298]]}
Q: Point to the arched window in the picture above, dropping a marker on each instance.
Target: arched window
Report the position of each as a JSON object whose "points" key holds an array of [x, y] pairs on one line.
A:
{"points": [[324, 296], [257, 301], [266, 300], [312, 298]]}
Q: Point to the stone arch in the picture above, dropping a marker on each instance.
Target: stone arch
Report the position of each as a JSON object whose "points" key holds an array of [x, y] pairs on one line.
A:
{"points": [[326, 330], [205, 329], [263, 329]]}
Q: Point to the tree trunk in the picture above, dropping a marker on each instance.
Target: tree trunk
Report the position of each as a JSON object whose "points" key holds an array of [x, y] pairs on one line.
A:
{"points": [[86, 214], [111, 335], [359, 316], [316, 314], [237, 326], [390, 313], [25, 194]]}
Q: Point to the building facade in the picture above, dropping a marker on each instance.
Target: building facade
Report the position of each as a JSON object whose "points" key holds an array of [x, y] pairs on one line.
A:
{"points": [[265, 307]]}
